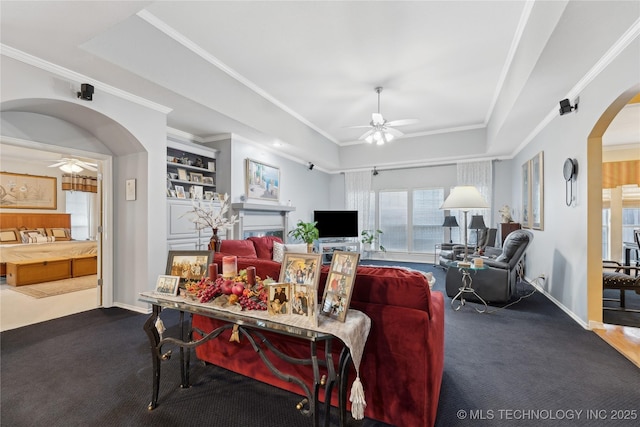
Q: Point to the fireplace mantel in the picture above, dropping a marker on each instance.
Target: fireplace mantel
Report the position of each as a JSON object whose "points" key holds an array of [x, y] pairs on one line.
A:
{"points": [[260, 218], [261, 207]]}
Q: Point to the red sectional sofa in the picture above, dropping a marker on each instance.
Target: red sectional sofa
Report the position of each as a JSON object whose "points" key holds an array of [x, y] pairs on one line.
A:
{"points": [[403, 361]]}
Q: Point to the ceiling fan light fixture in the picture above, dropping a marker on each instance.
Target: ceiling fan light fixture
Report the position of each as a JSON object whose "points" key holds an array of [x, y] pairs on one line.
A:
{"points": [[369, 139], [71, 168]]}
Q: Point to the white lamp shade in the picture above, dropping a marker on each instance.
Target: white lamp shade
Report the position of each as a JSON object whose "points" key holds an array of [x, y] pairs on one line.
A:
{"points": [[464, 198]]}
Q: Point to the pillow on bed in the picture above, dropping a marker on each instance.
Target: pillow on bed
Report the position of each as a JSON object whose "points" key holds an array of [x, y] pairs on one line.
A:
{"points": [[29, 236], [41, 239], [10, 235], [59, 233]]}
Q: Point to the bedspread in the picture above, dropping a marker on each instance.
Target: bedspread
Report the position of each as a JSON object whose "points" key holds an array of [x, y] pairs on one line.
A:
{"points": [[61, 249]]}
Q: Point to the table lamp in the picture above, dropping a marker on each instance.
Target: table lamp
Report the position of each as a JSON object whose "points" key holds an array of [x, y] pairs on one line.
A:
{"points": [[477, 223], [450, 221], [464, 198]]}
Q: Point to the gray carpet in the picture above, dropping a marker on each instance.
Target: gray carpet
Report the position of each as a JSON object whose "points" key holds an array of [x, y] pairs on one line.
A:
{"points": [[526, 365]]}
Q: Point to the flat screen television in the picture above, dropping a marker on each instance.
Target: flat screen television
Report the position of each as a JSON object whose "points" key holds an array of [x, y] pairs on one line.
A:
{"points": [[332, 224]]}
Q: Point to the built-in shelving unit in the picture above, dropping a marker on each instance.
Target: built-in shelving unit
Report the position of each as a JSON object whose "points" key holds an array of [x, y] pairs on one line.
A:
{"points": [[190, 175], [192, 169]]}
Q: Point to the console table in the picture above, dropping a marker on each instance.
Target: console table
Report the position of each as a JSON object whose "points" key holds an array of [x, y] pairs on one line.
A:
{"points": [[250, 325]]}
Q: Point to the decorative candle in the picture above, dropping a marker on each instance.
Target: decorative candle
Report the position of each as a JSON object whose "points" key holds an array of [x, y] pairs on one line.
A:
{"points": [[478, 262], [213, 271], [251, 275], [229, 266]]}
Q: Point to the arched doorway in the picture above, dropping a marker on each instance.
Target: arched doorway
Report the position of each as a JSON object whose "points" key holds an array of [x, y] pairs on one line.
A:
{"points": [[623, 341], [70, 128]]}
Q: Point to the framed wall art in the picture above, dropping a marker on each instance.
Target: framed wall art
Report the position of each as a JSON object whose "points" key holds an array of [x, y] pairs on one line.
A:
{"points": [[21, 191], [533, 192], [262, 181], [337, 290], [188, 265]]}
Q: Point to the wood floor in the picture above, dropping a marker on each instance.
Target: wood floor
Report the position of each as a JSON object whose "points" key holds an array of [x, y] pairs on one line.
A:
{"points": [[625, 339]]}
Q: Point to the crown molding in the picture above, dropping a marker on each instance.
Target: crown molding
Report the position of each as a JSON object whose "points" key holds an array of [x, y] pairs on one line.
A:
{"points": [[618, 47], [193, 47], [34, 61]]}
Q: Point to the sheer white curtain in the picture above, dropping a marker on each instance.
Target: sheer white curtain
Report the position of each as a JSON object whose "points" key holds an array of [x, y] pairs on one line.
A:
{"points": [[357, 194], [480, 175]]}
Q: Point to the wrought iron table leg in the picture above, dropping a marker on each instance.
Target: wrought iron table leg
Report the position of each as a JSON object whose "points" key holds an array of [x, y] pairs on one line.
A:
{"points": [[154, 340], [343, 365], [185, 354], [329, 382]]}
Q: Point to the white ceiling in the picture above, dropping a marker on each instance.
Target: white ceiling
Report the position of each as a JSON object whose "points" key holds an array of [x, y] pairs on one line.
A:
{"points": [[249, 67]]}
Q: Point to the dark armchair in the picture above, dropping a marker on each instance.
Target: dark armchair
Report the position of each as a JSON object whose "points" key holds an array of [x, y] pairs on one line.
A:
{"points": [[620, 277], [455, 251], [496, 283]]}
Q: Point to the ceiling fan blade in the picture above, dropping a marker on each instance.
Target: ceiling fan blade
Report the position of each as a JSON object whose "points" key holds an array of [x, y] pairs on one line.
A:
{"points": [[403, 122], [55, 165], [394, 132], [367, 133], [86, 165], [377, 119], [358, 127]]}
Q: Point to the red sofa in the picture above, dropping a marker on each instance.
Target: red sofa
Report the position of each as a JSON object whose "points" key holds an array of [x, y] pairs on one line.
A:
{"points": [[403, 361]]}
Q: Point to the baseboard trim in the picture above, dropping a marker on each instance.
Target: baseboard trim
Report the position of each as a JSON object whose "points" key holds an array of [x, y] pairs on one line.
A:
{"points": [[562, 307], [132, 308]]}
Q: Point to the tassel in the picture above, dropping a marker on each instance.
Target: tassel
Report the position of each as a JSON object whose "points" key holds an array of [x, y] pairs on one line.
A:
{"points": [[357, 400], [234, 334], [160, 326]]}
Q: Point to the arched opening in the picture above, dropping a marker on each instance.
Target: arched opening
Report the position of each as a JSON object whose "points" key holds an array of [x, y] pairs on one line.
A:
{"points": [[45, 127], [594, 206]]}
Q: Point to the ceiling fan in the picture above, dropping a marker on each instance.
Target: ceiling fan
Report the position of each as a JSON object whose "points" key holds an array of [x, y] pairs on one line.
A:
{"points": [[69, 165], [381, 130]]}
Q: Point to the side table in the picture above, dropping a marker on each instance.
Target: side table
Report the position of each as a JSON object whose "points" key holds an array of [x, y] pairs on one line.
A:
{"points": [[466, 287]]}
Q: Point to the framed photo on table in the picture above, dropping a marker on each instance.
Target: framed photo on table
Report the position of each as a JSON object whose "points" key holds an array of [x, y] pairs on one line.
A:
{"points": [[167, 285], [188, 265], [339, 286], [302, 272], [279, 298]]}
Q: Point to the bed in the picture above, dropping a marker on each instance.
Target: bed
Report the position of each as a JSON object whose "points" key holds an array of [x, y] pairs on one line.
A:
{"points": [[49, 238]]}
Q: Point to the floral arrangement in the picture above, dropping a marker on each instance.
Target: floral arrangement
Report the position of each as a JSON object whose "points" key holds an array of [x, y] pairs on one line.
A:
{"points": [[207, 214], [236, 291]]}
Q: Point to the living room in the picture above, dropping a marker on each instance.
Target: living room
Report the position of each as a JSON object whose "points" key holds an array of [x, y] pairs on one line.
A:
{"points": [[126, 132]]}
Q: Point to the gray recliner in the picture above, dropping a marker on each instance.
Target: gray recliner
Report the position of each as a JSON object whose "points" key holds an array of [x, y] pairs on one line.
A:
{"points": [[450, 252], [496, 283]]}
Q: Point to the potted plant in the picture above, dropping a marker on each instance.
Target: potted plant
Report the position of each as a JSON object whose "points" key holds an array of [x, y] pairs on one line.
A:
{"points": [[307, 232], [369, 237]]}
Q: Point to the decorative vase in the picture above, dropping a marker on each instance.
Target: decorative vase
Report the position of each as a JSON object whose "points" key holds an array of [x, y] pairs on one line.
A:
{"points": [[214, 242]]}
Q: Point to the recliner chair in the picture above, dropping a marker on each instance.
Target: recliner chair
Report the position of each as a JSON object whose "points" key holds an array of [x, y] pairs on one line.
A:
{"points": [[496, 283], [450, 252]]}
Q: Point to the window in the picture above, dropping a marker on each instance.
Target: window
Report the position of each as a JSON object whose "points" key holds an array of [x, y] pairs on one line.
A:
{"points": [[394, 220], [78, 204], [630, 222], [427, 219], [606, 215]]}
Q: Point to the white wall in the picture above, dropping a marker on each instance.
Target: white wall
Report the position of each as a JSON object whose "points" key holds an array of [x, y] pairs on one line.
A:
{"points": [[137, 241], [308, 190], [559, 251]]}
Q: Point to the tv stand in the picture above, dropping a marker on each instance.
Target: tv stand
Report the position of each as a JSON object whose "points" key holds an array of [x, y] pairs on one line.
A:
{"points": [[326, 247]]}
